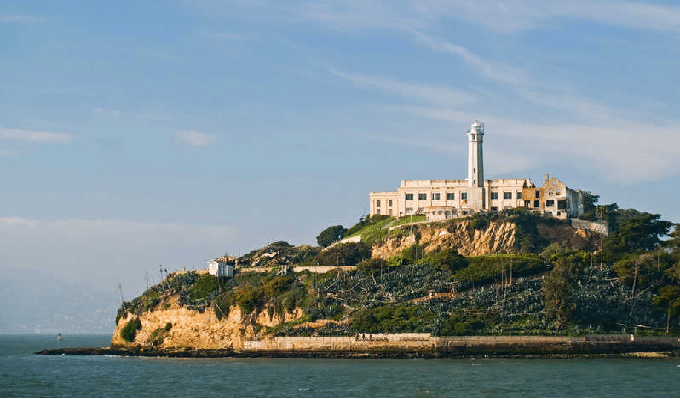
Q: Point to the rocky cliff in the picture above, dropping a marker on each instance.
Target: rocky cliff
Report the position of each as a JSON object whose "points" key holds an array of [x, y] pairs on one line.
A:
{"points": [[170, 325], [498, 237]]}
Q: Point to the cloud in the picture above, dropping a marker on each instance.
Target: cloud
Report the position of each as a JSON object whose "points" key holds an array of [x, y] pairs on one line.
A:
{"points": [[14, 18], [428, 93], [499, 73], [226, 36], [104, 251], [508, 16], [195, 138], [33, 136]]}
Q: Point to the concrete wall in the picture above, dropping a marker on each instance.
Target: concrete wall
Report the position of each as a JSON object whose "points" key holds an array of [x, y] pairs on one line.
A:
{"points": [[424, 342], [598, 227]]}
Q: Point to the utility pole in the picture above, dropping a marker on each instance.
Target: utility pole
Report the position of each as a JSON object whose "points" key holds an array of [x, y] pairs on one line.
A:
{"points": [[120, 288]]}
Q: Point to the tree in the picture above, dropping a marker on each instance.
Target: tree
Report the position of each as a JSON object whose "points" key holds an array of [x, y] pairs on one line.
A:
{"points": [[638, 232], [674, 241], [669, 297], [347, 254], [589, 201], [608, 214], [559, 287], [330, 235]]}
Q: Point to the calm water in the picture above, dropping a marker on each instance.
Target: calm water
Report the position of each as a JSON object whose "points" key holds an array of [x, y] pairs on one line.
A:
{"points": [[25, 374]]}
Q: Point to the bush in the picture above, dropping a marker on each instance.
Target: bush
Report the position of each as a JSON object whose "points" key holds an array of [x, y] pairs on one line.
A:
{"points": [[129, 332], [347, 254], [203, 287], [248, 298], [331, 235], [448, 260]]}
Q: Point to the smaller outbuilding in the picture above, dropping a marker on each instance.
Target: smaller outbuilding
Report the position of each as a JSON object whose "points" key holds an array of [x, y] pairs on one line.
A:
{"points": [[220, 267]]}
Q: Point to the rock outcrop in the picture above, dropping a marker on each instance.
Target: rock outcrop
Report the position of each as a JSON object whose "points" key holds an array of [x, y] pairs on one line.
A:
{"points": [[195, 329], [498, 237]]}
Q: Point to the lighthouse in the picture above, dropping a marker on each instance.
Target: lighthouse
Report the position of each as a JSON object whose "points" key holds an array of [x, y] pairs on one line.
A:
{"points": [[475, 155], [475, 180]]}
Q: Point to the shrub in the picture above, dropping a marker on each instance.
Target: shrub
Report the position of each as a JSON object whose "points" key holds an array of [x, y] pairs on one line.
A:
{"points": [[348, 254], [248, 298], [203, 286], [448, 260], [129, 332]]}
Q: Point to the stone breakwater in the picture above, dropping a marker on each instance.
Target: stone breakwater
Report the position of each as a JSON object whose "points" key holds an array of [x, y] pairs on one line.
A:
{"points": [[413, 346]]}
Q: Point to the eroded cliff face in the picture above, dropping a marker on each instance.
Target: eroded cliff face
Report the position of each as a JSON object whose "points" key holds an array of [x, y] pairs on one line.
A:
{"points": [[498, 237], [194, 329]]}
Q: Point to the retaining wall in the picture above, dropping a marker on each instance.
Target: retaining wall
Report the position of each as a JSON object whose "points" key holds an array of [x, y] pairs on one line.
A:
{"points": [[426, 343]]}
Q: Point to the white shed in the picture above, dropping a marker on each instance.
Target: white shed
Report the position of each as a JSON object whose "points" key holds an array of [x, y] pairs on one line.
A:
{"points": [[220, 269]]}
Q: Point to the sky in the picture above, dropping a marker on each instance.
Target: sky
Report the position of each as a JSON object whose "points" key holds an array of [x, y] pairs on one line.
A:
{"points": [[139, 134]]}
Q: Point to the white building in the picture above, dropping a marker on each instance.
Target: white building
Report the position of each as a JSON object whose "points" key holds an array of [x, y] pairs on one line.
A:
{"points": [[443, 199], [219, 268]]}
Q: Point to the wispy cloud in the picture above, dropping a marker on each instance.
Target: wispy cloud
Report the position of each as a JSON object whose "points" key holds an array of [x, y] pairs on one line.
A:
{"points": [[498, 73], [125, 114], [195, 138], [431, 94], [16, 18], [226, 36], [33, 136], [508, 16], [6, 153]]}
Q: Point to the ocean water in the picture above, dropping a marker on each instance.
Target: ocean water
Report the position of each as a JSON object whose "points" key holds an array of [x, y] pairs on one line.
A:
{"points": [[23, 374]]}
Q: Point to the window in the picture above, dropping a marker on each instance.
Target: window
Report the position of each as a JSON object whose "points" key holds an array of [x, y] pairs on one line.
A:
{"points": [[519, 195], [463, 196], [561, 204], [557, 193], [377, 211], [507, 195], [494, 195], [538, 193], [536, 204], [550, 203], [389, 202], [494, 208], [377, 203], [550, 192], [422, 197], [527, 204], [409, 197], [409, 211], [450, 196], [420, 211], [436, 196]]}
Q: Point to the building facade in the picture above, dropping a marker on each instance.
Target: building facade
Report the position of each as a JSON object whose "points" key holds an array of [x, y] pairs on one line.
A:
{"points": [[219, 268], [444, 199]]}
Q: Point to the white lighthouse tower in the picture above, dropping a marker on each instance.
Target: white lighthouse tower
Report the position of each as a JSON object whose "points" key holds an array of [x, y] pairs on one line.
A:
{"points": [[476, 166]]}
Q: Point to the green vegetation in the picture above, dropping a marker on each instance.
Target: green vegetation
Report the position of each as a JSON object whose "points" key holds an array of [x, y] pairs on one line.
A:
{"points": [[129, 332], [331, 235], [345, 254], [633, 285], [371, 229], [408, 219]]}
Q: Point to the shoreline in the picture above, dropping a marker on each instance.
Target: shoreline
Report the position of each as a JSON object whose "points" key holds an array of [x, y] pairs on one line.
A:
{"points": [[462, 353]]}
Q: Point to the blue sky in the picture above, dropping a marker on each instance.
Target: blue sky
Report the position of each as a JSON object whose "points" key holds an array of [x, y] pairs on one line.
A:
{"points": [[170, 132]]}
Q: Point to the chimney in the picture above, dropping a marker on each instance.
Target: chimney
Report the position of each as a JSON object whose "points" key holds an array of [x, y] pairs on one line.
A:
{"points": [[547, 177]]}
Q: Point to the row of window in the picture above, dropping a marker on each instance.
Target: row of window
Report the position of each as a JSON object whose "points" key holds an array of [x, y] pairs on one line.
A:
{"points": [[507, 195], [436, 196]]}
